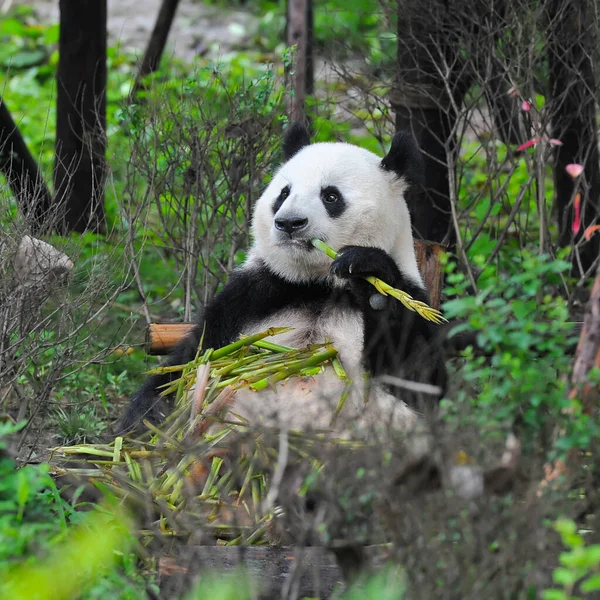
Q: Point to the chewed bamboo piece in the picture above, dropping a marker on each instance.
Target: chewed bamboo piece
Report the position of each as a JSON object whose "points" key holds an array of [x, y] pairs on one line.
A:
{"points": [[421, 308]]}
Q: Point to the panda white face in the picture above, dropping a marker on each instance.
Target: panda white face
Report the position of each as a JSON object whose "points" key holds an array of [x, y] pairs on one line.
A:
{"points": [[338, 193]]}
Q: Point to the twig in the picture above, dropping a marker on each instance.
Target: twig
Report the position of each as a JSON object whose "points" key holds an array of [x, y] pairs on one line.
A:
{"points": [[282, 459], [453, 200], [413, 386], [509, 220]]}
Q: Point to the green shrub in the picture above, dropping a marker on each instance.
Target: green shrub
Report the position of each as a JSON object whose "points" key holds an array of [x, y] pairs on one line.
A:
{"points": [[519, 372], [31, 510], [580, 565]]}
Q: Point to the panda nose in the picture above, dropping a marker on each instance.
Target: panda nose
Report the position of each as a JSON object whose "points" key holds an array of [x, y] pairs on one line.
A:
{"points": [[291, 224]]}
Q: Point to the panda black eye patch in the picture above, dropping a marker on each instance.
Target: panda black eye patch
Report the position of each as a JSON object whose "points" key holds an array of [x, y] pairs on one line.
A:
{"points": [[285, 192], [333, 201]]}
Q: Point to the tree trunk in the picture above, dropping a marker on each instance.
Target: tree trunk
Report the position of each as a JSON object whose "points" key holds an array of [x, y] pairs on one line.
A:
{"points": [[442, 48], [310, 61], [157, 43], [429, 205], [80, 168], [22, 174], [505, 110], [425, 104], [298, 34], [571, 45]]}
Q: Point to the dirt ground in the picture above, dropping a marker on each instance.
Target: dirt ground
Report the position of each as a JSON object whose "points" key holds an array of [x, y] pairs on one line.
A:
{"points": [[197, 28]]}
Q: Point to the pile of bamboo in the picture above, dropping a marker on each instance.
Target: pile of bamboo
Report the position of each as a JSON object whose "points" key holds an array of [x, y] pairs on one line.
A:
{"points": [[183, 469]]}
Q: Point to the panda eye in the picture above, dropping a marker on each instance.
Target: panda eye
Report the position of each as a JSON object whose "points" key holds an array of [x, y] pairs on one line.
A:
{"points": [[331, 195], [283, 194], [334, 201]]}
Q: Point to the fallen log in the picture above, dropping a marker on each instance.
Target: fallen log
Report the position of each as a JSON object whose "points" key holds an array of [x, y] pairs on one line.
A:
{"points": [[161, 338], [314, 569], [317, 571]]}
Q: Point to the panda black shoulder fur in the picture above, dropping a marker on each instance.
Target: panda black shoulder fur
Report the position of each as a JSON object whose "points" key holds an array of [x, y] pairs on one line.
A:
{"points": [[354, 201]]}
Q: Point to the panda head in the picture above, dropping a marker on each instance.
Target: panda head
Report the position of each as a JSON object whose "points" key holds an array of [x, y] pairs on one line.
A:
{"points": [[341, 194]]}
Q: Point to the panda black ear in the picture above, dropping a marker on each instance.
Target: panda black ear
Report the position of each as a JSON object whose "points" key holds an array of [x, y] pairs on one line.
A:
{"points": [[295, 138], [405, 159]]}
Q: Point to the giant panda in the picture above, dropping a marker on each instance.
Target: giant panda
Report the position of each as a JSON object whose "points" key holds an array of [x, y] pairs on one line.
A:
{"points": [[354, 201]]}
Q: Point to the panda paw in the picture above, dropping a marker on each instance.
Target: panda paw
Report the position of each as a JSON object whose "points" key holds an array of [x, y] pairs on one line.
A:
{"points": [[143, 406], [360, 261]]}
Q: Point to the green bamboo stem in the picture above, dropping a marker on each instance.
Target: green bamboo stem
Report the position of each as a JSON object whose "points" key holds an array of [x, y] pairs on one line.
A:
{"points": [[314, 360], [248, 341]]}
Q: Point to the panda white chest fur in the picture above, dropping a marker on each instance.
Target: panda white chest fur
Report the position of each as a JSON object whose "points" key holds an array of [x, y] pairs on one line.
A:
{"points": [[310, 402], [354, 201]]}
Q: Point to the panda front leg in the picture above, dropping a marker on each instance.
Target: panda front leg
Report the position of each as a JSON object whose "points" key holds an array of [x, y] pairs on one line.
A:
{"points": [[397, 342], [147, 403], [219, 325], [252, 294]]}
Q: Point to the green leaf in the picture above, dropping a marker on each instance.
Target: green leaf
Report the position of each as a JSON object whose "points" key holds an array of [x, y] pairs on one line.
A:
{"points": [[51, 34], [23, 490], [12, 27], [591, 585], [591, 556], [564, 577], [522, 309], [459, 329], [27, 58], [482, 208], [554, 595], [565, 526]]}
